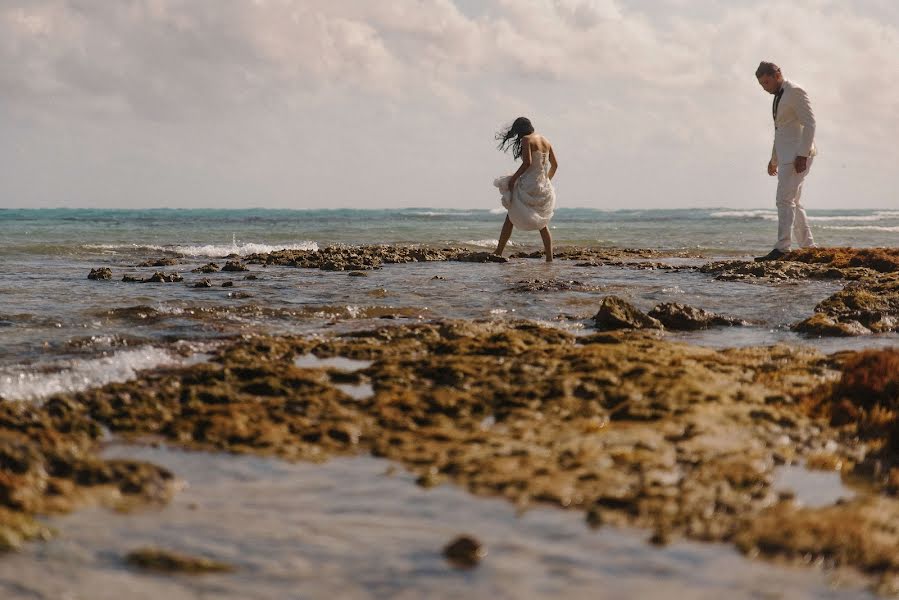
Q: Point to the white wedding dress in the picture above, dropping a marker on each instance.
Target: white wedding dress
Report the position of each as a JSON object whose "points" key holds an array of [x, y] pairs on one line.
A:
{"points": [[534, 201]]}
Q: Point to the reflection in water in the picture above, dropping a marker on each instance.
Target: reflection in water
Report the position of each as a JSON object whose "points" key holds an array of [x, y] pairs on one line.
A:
{"points": [[348, 529], [812, 488]]}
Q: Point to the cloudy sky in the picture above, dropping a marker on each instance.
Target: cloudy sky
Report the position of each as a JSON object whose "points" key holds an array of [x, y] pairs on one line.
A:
{"points": [[392, 103]]}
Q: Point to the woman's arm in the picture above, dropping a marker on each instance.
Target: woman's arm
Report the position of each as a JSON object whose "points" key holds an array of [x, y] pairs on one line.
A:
{"points": [[553, 163], [525, 162]]}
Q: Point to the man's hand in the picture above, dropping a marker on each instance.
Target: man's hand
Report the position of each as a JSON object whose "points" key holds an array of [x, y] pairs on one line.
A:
{"points": [[772, 168], [800, 164]]}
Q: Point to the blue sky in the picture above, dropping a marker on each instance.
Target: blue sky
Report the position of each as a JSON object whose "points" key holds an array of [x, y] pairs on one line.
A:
{"points": [[353, 103]]}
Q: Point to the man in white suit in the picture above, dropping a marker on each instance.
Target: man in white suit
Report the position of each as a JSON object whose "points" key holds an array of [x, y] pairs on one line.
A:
{"points": [[791, 157]]}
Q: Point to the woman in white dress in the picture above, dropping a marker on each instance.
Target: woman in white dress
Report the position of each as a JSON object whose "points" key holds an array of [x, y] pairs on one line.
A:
{"points": [[528, 193]]}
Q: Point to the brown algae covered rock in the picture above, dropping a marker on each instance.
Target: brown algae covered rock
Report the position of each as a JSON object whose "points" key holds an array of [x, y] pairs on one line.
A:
{"points": [[872, 303], [864, 404], [823, 325], [635, 431], [884, 260]]}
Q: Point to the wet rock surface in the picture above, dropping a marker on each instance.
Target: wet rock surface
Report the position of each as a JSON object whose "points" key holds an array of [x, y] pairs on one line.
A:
{"points": [[616, 313], [235, 265], [159, 262], [207, 268], [680, 317], [160, 277], [629, 429], [157, 277], [103, 273]]}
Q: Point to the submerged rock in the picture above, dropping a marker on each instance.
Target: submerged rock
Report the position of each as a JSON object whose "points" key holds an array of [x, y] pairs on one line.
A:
{"points": [[132, 279], [166, 561], [551, 285], [616, 313], [228, 284], [464, 552], [203, 283], [681, 317], [103, 273]]}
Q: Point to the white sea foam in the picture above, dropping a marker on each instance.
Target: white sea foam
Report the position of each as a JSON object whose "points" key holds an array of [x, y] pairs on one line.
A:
{"points": [[862, 227], [117, 247], [23, 383], [497, 211], [766, 215], [436, 213], [487, 243], [858, 218], [216, 250], [207, 250]]}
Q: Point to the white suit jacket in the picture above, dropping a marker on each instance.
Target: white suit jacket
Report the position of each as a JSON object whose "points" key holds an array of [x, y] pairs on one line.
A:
{"points": [[794, 126]]}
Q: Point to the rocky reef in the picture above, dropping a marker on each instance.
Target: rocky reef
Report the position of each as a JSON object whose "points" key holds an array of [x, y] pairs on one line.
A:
{"points": [[627, 428], [616, 313]]}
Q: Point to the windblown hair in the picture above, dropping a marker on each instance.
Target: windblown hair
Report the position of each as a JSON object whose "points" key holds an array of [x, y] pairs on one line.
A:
{"points": [[510, 136], [767, 68]]}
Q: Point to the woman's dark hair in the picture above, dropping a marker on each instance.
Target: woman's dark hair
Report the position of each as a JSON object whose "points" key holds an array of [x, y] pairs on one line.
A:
{"points": [[510, 136]]}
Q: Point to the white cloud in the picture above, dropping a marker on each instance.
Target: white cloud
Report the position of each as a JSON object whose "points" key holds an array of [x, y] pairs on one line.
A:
{"points": [[287, 92]]}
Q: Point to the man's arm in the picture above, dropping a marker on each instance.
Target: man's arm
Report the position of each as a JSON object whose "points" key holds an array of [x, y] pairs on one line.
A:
{"points": [[807, 119], [772, 164]]}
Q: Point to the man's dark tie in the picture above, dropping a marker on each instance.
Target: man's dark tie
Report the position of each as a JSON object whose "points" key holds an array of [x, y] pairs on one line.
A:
{"points": [[774, 106]]}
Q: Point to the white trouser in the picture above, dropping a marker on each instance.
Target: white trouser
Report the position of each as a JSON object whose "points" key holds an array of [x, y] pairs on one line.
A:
{"points": [[790, 212]]}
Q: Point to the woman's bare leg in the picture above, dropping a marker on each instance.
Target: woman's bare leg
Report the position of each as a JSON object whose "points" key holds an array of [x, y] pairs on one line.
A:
{"points": [[504, 236], [547, 243]]}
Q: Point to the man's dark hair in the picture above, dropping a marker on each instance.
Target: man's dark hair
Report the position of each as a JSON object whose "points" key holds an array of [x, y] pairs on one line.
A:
{"points": [[766, 68]]}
